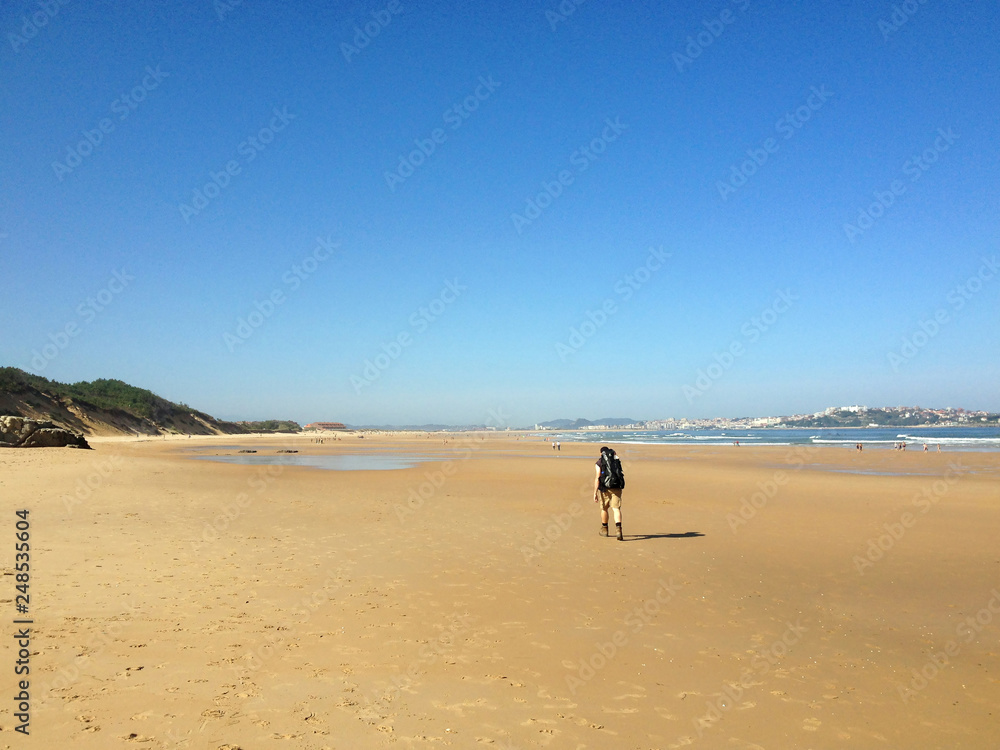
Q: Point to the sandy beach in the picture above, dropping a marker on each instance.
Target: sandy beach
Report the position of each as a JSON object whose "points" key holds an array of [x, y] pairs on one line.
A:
{"points": [[763, 597]]}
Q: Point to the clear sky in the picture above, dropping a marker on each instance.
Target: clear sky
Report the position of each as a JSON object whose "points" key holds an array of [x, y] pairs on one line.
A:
{"points": [[391, 212]]}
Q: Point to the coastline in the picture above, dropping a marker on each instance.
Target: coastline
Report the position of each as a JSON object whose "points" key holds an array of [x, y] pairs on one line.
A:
{"points": [[471, 601]]}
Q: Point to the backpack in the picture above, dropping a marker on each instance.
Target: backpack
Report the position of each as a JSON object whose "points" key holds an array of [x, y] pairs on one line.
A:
{"points": [[612, 476]]}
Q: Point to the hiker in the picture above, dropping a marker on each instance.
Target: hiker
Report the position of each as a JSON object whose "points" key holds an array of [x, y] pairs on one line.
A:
{"points": [[609, 481]]}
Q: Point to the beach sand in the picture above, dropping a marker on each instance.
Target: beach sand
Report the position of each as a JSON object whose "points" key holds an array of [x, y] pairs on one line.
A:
{"points": [[196, 604]]}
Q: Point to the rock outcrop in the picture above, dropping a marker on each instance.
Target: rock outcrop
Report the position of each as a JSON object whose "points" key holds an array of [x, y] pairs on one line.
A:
{"points": [[18, 432]]}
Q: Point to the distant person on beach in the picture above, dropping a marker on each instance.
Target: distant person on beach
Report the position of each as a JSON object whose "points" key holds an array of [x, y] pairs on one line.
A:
{"points": [[609, 481], [558, 446]]}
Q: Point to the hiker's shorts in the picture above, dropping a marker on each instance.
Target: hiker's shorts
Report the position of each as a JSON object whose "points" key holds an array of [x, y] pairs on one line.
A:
{"points": [[610, 499]]}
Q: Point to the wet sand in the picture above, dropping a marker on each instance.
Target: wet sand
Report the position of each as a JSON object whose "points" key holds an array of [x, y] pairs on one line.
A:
{"points": [[763, 598]]}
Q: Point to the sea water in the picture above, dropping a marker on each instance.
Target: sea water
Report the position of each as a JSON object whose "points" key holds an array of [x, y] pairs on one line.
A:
{"points": [[949, 438]]}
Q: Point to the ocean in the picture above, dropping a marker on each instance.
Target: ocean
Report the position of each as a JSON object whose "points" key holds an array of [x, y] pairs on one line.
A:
{"points": [[949, 438]]}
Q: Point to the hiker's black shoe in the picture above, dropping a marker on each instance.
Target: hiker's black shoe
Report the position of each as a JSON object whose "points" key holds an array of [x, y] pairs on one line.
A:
{"points": [[604, 529], [618, 528]]}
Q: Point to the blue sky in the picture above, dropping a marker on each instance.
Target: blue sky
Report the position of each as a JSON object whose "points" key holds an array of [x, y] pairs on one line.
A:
{"points": [[479, 183]]}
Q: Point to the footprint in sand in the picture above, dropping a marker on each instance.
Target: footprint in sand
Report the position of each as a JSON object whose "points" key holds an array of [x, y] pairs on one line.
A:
{"points": [[531, 722], [811, 725], [89, 726]]}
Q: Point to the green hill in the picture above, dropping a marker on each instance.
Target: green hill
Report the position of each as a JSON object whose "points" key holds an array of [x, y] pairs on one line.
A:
{"points": [[111, 407]]}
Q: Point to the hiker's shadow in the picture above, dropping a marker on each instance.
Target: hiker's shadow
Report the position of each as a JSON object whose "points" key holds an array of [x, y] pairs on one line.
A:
{"points": [[640, 537]]}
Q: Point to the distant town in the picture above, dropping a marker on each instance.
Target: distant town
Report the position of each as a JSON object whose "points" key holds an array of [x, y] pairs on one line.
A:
{"points": [[835, 416]]}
